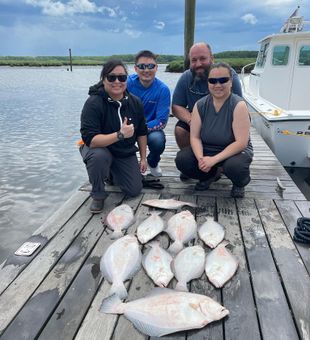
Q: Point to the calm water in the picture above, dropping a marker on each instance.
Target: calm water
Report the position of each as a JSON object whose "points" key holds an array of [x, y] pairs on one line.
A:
{"points": [[40, 164]]}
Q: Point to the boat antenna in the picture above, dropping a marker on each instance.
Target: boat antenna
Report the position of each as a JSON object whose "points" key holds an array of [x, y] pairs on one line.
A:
{"points": [[294, 23]]}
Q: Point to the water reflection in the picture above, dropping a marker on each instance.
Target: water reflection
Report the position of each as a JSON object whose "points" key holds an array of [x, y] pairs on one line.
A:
{"points": [[40, 164]]}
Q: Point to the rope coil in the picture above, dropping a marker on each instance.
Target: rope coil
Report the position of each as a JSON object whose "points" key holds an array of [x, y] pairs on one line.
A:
{"points": [[302, 231]]}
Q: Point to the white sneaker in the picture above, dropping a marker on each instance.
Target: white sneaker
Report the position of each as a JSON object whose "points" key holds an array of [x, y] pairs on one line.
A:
{"points": [[156, 172]]}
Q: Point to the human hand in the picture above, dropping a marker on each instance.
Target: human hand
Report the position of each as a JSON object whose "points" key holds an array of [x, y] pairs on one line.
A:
{"points": [[205, 163], [127, 129], [143, 165]]}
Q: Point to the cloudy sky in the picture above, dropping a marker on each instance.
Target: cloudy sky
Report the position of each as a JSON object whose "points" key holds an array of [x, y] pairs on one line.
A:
{"points": [[106, 27]]}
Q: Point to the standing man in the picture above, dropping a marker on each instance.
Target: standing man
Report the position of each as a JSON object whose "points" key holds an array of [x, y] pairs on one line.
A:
{"points": [[155, 96], [193, 85]]}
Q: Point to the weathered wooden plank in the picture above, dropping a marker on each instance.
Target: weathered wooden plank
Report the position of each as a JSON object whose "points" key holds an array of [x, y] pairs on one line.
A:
{"points": [[237, 293], [28, 281], [202, 286], [290, 213], [36, 311], [292, 270], [75, 304], [11, 267], [304, 207], [272, 308], [98, 325]]}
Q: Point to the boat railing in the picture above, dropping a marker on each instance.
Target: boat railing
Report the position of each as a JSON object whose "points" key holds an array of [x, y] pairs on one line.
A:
{"points": [[243, 72]]}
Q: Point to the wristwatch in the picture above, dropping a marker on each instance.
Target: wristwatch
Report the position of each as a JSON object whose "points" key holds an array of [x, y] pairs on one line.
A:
{"points": [[120, 135]]}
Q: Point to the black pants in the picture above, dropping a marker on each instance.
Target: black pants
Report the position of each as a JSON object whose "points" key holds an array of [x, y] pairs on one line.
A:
{"points": [[100, 163], [236, 168]]}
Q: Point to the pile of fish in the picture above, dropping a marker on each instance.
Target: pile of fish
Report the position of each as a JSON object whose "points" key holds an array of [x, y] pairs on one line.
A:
{"points": [[166, 311]]}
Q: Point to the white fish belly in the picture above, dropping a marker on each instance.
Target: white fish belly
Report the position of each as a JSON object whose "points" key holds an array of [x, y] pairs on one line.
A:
{"points": [[189, 264], [150, 228], [212, 233], [156, 263], [172, 312]]}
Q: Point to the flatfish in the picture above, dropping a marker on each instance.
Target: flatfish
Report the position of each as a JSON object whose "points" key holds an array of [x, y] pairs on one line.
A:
{"points": [[165, 311], [189, 264], [221, 265], [121, 217], [120, 262], [150, 227], [182, 228], [167, 204], [156, 262], [211, 232]]}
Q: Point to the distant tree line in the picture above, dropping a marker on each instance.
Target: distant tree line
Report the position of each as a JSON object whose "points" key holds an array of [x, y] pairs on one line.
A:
{"points": [[175, 62]]}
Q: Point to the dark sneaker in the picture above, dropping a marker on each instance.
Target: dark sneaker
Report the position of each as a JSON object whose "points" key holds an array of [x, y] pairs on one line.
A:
{"points": [[204, 185], [96, 206], [237, 192], [183, 177]]}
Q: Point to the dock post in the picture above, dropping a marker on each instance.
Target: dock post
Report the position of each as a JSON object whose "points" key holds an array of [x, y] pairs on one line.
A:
{"points": [[70, 57], [189, 29]]}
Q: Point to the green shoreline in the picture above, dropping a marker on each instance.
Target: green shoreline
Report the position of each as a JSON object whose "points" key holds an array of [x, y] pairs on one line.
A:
{"points": [[237, 59]]}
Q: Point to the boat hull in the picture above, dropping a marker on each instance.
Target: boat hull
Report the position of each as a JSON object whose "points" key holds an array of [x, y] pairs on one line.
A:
{"points": [[288, 139]]}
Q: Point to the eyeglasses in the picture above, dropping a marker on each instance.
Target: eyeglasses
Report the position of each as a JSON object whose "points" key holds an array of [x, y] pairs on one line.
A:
{"points": [[144, 66], [221, 80], [112, 77]]}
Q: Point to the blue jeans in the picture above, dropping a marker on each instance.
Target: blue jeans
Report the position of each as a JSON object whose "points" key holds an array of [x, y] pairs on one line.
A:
{"points": [[156, 141]]}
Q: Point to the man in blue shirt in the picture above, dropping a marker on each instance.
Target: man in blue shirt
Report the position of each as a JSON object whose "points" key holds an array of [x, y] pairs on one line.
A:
{"points": [[155, 96]]}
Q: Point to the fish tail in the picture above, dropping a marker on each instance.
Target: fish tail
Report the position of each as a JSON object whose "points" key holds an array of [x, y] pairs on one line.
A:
{"points": [[181, 286], [116, 234], [112, 305], [175, 247], [119, 289]]}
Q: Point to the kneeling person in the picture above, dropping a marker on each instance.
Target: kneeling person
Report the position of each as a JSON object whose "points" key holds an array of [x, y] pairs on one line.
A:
{"points": [[219, 136], [155, 96], [112, 121]]}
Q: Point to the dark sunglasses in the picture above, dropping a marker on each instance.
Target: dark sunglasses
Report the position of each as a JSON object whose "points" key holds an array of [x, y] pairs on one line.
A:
{"points": [[121, 77], [221, 80], [144, 66]]}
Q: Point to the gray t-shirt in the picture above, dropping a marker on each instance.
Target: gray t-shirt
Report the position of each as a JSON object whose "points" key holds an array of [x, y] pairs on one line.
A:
{"points": [[216, 127], [188, 91]]}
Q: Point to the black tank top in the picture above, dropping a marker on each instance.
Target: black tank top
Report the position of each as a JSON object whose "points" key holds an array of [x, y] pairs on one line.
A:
{"points": [[216, 127]]}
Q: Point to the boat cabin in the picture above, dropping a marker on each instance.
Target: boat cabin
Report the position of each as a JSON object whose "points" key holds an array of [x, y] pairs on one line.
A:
{"points": [[282, 71]]}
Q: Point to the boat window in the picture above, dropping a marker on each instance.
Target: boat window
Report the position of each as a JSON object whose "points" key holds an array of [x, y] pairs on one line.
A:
{"points": [[262, 55], [280, 55], [304, 55]]}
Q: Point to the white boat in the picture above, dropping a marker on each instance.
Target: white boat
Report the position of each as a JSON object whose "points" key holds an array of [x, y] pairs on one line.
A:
{"points": [[278, 89]]}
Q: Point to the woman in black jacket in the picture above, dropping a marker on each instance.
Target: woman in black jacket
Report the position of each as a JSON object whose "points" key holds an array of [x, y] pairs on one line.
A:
{"points": [[112, 121]]}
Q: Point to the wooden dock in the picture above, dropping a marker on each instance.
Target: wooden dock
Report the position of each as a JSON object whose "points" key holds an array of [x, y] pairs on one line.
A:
{"points": [[56, 293]]}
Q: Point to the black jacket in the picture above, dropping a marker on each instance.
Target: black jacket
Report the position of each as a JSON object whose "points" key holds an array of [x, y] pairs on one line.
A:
{"points": [[100, 115]]}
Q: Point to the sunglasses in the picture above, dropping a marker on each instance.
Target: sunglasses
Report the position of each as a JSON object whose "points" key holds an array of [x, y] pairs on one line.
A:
{"points": [[112, 77], [221, 80], [144, 66]]}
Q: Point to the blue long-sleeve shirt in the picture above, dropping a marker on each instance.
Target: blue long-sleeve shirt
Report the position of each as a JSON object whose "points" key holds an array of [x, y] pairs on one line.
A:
{"points": [[156, 101]]}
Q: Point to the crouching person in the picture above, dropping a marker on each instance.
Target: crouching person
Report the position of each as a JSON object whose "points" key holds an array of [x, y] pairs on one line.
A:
{"points": [[219, 136], [112, 121]]}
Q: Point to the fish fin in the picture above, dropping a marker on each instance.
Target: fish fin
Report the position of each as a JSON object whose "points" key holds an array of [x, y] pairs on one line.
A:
{"points": [[148, 328], [160, 291], [175, 247], [181, 287], [223, 244], [104, 272], [154, 243], [119, 289], [112, 305], [116, 234]]}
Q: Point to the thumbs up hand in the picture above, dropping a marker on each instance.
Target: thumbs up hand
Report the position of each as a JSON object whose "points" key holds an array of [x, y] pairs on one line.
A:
{"points": [[127, 129]]}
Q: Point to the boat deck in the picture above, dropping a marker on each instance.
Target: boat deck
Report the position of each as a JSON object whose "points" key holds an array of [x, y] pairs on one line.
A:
{"points": [[56, 292]]}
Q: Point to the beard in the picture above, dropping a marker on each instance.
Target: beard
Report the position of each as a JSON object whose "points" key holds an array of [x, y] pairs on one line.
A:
{"points": [[201, 75]]}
